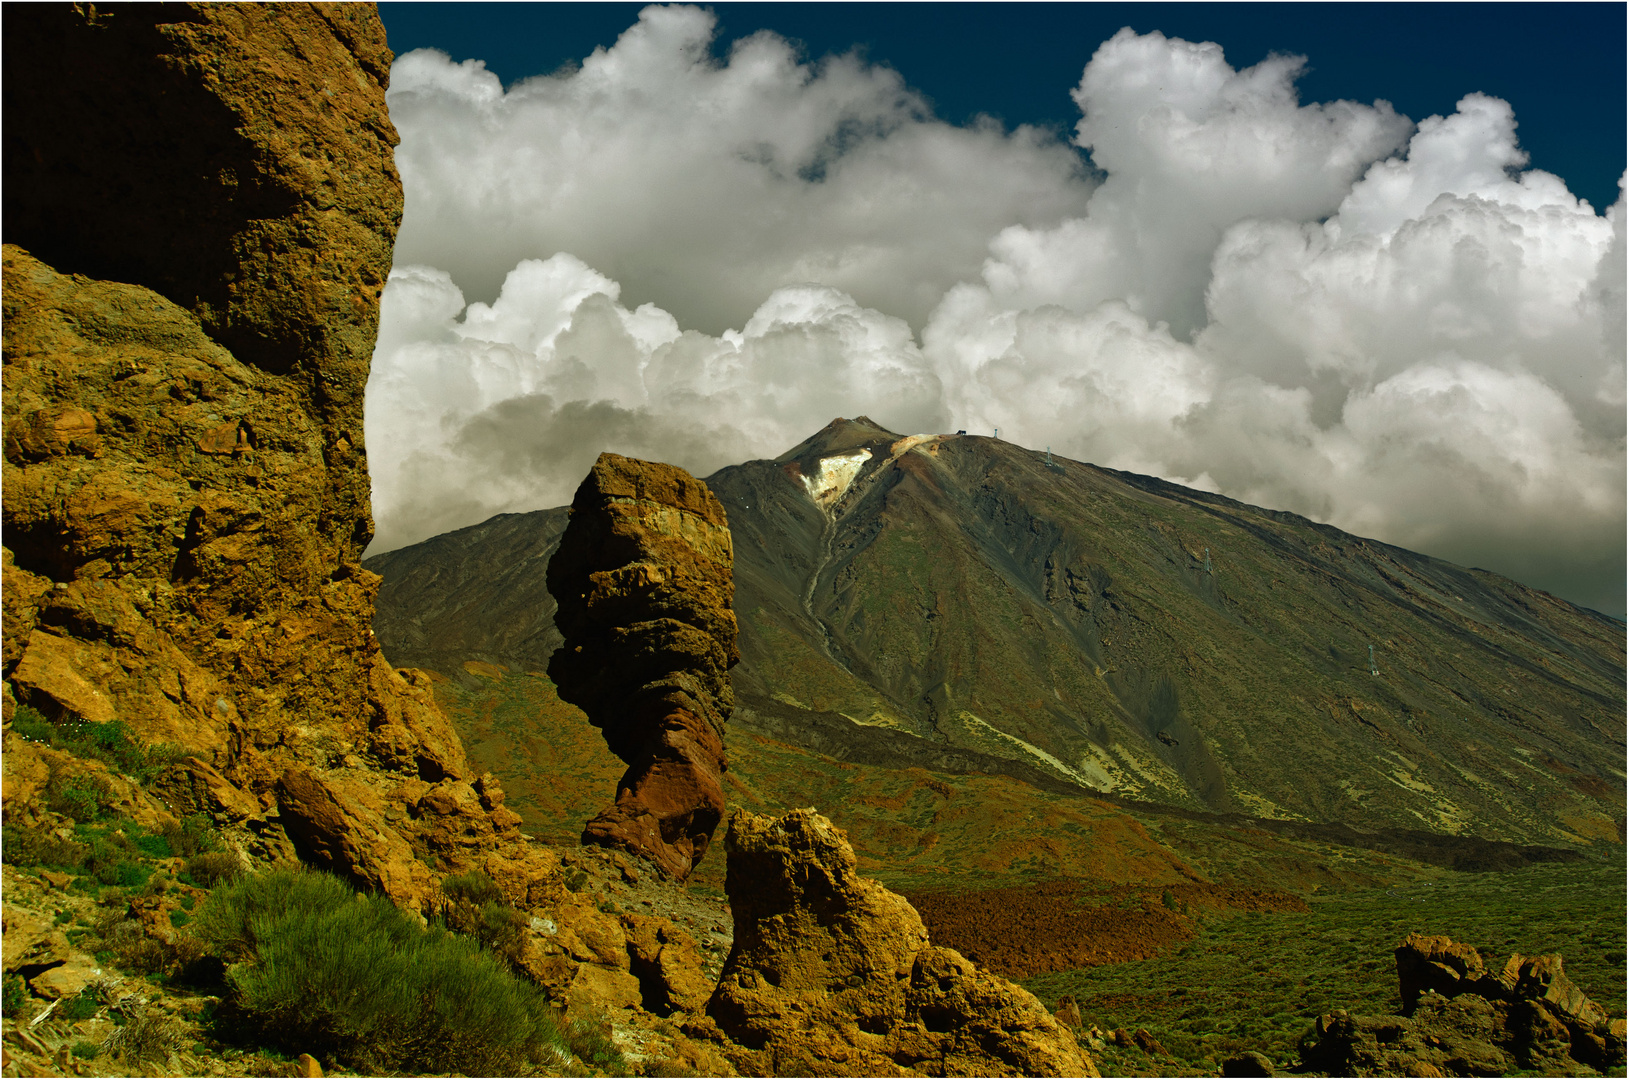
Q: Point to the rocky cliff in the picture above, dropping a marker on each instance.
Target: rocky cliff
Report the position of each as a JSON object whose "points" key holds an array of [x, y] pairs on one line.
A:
{"points": [[642, 579], [199, 210], [200, 204]]}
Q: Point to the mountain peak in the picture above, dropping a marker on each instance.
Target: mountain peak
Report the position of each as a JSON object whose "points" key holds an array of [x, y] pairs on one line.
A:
{"points": [[841, 436]]}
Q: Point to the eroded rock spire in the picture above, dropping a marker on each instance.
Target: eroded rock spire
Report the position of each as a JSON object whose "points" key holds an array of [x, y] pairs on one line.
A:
{"points": [[643, 580]]}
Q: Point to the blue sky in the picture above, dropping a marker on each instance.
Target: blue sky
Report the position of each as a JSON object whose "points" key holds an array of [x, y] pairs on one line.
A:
{"points": [[1560, 65]]}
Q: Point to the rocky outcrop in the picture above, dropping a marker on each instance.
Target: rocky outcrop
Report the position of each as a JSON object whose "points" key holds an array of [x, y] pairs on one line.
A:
{"points": [[643, 581], [1463, 1019], [832, 974], [200, 203]]}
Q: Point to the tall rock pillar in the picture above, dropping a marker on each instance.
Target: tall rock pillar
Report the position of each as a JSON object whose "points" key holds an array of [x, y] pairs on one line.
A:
{"points": [[643, 580]]}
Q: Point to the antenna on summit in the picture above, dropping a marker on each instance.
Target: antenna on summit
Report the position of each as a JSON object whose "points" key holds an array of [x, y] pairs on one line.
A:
{"points": [[1049, 456], [1372, 669], [997, 434]]}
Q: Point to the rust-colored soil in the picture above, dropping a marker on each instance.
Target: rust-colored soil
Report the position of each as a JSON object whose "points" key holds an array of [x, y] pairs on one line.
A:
{"points": [[1028, 930]]}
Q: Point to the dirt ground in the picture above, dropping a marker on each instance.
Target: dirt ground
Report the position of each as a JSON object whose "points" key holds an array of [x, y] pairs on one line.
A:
{"points": [[1027, 930]]}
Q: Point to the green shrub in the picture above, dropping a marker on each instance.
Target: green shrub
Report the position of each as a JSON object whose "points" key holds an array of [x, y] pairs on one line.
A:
{"points": [[154, 847], [193, 835], [85, 1050], [26, 846], [473, 888], [211, 868], [315, 968], [81, 797], [110, 743], [14, 994], [28, 723], [590, 1040], [81, 1006], [473, 904]]}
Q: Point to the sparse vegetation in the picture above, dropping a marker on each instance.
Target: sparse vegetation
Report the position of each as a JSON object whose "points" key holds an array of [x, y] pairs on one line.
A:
{"points": [[145, 1037], [110, 743], [1257, 981], [14, 994], [315, 967]]}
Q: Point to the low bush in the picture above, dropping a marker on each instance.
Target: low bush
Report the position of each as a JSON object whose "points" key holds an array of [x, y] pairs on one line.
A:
{"points": [[590, 1040], [28, 846], [192, 837], [15, 993], [124, 942], [81, 1006], [211, 868], [473, 904], [145, 1037], [315, 967], [81, 797]]}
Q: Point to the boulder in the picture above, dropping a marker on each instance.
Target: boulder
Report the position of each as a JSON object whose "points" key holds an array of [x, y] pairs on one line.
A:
{"points": [[668, 964], [643, 581], [1440, 965], [1464, 1020], [833, 974], [30, 940], [1249, 1063], [337, 826]]}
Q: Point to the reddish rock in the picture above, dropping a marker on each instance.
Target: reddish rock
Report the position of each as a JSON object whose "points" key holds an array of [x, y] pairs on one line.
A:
{"points": [[643, 581], [668, 964], [1437, 964]]}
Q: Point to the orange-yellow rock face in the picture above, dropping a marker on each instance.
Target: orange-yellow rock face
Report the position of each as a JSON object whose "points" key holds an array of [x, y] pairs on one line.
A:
{"points": [[832, 974], [643, 580], [200, 204]]}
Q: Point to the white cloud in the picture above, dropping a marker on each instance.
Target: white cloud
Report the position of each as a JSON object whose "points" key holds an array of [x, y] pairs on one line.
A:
{"points": [[506, 408], [1319, 308], [702, 186]]}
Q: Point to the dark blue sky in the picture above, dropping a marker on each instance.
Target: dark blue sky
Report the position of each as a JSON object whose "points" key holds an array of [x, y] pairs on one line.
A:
{"points": [[1561, 66]]}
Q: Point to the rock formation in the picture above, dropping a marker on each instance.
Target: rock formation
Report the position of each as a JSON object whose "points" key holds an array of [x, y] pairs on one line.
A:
{"points": [[186, 486], [643, 580], [1462, 1019], [832, 974], [199, 206]]}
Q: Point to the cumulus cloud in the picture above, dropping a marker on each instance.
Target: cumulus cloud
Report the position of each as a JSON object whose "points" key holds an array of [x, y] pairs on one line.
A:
{"points": [[702, 185], [499, 407], [1317, 307]]}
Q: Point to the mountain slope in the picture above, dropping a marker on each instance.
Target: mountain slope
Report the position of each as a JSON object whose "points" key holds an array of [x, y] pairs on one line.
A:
{"points": [[1114, 631]]}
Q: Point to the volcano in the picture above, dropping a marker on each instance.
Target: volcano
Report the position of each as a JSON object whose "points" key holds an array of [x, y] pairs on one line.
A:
{"points": [[964, 604]]}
